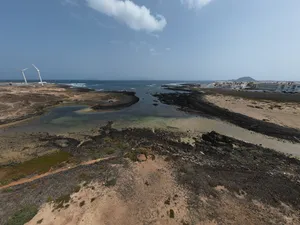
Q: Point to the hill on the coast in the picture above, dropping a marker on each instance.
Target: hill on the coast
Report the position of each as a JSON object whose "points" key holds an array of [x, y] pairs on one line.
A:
{"points": [[245, 79]]}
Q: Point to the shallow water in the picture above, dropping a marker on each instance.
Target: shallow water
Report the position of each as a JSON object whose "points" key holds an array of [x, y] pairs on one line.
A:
{"points": [[195, 126], [66, 118], [143, 114]]}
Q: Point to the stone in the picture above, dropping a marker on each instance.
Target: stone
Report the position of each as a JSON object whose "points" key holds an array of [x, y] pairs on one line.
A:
{"points": [[141, 157]]}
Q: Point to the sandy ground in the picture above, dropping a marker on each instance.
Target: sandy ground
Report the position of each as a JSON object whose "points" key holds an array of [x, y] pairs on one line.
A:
{"points": [[149, 184], [281, 113], [146, 192]]}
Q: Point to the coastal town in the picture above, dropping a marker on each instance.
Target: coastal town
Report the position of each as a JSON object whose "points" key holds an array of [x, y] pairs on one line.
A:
{"points": [[272, 86]]}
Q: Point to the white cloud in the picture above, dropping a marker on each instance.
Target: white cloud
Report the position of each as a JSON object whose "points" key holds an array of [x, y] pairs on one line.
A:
{"points": [[198, 4], [134, 16], [153, 52], [168, 49]]}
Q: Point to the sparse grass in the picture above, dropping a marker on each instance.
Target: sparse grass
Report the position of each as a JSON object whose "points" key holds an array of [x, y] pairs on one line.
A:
{"points": [[167, 202], [84, 177], [107, 139], [172, 214], [81, 203], [132, 155], [23, 216], [37, 165], [111, 182], [77, 188], [8, 190], [109, 151], [59, 202]]}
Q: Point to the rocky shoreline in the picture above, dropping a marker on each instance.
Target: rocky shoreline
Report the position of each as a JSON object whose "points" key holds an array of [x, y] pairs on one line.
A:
{"points": [[19, 103], [194, 102]]}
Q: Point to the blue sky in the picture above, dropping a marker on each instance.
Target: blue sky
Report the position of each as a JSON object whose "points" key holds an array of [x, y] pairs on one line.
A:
{"points": [[151, 39]]}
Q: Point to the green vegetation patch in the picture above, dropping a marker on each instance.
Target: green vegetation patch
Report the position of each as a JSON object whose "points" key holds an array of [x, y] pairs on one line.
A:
{"points": [[37, 165], [23, 216], [64, 199]]}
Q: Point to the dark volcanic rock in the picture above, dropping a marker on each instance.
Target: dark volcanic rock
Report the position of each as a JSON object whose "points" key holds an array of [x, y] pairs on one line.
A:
{"points": [[194, 102]]}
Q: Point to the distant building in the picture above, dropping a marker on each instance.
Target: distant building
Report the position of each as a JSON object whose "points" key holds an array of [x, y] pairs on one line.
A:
{"points": [[289, 87]]}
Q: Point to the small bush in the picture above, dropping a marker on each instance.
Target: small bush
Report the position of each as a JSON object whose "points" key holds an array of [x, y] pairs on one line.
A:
{"points": [[81, 203], [23, 216], [109, 151], [77, 189], [49, 199], [111, 182], [172, 214], [59, 202]]}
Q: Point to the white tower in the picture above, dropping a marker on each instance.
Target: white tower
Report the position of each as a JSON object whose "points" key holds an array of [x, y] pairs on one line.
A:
{"points": [[41, 81], [25, 80]]}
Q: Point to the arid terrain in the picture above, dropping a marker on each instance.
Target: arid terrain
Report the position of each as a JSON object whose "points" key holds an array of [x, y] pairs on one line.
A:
{"points": [[23, 102], [150, 176], [152, 171], [281, 113]]}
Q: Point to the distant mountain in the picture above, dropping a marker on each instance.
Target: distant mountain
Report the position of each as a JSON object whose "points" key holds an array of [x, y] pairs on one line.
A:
{"points": [[245, 79]]}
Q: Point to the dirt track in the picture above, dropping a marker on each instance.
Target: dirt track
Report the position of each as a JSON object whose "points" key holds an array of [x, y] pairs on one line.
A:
{"points": [[194, 102]]}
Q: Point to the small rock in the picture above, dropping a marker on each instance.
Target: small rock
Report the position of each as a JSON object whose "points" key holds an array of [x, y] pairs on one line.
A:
{"points": [[62, 143], [141, 157]]}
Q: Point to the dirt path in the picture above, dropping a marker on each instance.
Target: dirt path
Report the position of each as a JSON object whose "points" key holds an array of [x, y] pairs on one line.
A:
{"points": [[27, 180]]}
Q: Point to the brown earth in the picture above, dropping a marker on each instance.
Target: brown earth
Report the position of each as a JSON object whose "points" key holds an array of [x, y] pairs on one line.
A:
{"points": [[218, 180], [281, 113], [23, 102]]}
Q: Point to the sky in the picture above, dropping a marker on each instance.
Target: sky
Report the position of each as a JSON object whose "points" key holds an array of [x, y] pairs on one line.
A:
{"points": [[150, 39]]}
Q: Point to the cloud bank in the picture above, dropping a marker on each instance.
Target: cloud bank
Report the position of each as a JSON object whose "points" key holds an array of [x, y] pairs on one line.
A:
{"points": [[191, 4], [134, 16]]}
